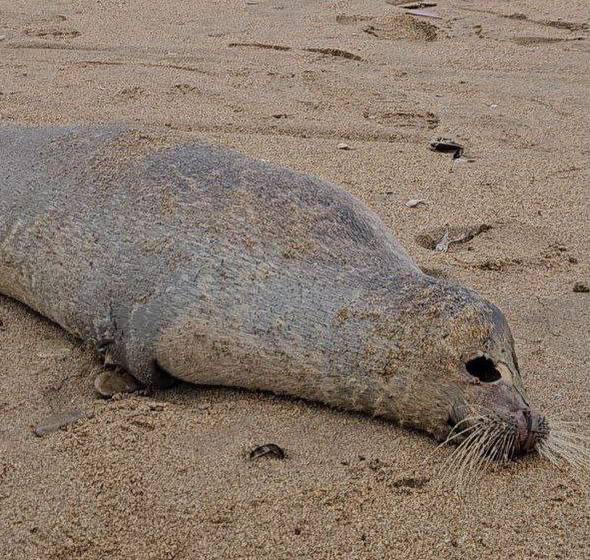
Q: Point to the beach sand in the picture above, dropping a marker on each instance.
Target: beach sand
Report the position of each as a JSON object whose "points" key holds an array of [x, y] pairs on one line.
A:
{"points": [[167, 476]]}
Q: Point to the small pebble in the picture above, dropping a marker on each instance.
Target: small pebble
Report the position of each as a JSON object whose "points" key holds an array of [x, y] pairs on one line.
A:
{"points": [[413, 202], [343, 146], [443, 244], [58, 421], [271, 449], [442, 144], [410, 482], [581, 287]]}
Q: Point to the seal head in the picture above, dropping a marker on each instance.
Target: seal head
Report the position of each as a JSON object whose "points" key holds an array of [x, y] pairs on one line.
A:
{"points": [[476, 390]]}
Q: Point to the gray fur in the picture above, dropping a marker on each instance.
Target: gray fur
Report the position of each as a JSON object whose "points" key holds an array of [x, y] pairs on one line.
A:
{"points": [[222, 270]]}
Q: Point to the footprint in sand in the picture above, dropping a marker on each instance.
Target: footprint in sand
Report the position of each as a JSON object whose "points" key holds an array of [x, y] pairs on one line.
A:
{"points": [[402, 27], [344, 19], [403, 118], [538, 40], [392, 27], [52, 32], [184, 89], [130, 93], [51, 27]]}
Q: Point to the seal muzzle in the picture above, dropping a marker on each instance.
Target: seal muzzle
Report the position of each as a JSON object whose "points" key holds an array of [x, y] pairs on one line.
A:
{"points": [[530, 427]]}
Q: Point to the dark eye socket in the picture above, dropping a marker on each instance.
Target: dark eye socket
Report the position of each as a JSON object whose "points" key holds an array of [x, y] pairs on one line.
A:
{"points": [[484, 369]]}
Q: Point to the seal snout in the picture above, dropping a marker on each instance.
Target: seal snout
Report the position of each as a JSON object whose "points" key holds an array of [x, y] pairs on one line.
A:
{"points": [[530, 427]]}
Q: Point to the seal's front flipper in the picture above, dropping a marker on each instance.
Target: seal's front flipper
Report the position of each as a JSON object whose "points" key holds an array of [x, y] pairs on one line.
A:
{"points": [[134, 368], [112, 381]]}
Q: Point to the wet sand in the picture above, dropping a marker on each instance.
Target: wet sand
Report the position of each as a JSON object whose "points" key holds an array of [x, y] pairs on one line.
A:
{"points": [[168, 476]]}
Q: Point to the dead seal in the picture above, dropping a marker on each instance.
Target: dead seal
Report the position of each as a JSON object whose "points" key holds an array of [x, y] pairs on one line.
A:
{"points": [[187, 261]]}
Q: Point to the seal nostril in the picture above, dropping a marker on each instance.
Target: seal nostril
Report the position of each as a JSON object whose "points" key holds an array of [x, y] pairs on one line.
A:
{"points": [[483, 369]]}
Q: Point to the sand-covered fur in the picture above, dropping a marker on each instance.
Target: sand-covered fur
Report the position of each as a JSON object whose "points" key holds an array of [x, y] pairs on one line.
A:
{"points": [[507, 80]]}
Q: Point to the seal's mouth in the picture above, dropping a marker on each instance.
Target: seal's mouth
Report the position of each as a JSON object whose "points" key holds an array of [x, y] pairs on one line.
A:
{"points": [[498, 437], [531, 428]]}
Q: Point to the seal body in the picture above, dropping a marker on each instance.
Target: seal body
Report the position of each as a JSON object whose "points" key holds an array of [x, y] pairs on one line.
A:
{"points": [[191, 261]]}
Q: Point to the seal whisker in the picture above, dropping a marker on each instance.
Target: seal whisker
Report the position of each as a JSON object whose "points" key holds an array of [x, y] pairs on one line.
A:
{"points": [[566, 446], [495, 445], [510, 447], [560, 445], [492, 439], [492, 436], [453, 434], [480, 454], [470, 418], [497, 449], [549, 455], [573, 436], [467, 460], [574, 454], [571, 458], [454, 437], [476, 462], [503, 451], [561, 423], [461, 453], [506, 451], [451, 438]]}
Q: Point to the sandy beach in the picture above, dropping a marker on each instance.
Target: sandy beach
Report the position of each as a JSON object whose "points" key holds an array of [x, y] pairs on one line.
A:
{"points": [[167, 476]]}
